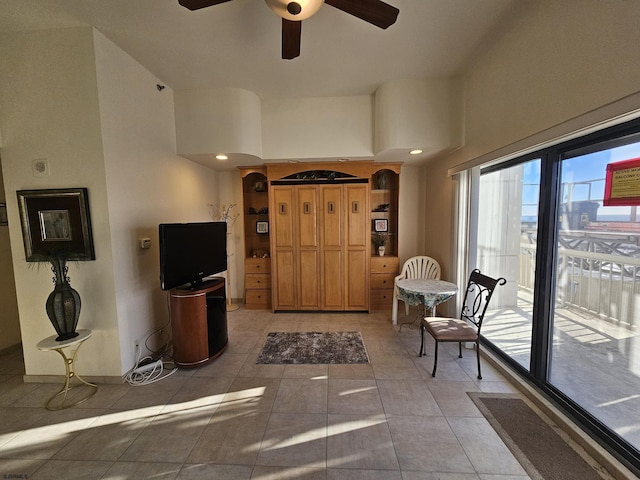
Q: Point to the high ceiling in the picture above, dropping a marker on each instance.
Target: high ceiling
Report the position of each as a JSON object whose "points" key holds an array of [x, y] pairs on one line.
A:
{"points": [[237, 43]]}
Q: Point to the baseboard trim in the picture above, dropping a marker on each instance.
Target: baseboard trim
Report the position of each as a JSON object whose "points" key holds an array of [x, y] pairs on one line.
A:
{"points": [[60, 379]]}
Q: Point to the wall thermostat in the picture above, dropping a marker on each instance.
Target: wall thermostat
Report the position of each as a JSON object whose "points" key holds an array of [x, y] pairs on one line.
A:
{"points": [[145, 243]]}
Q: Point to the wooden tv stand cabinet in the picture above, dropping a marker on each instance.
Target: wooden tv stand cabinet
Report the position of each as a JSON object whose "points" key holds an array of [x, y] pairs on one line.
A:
{"points": [[198, 322]]}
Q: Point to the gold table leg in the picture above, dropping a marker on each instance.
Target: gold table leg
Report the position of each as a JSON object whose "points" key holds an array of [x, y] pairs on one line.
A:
{"points": [[70, 374]]}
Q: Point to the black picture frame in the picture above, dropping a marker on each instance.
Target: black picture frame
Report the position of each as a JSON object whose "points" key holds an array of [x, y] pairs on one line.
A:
{"points": [[380, 225], [3, 214], [56, 222], [262, 227]]}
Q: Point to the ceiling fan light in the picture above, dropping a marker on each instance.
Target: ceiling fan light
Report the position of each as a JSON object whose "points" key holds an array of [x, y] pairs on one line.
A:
{"points": [[294, 8], [286, 8]]}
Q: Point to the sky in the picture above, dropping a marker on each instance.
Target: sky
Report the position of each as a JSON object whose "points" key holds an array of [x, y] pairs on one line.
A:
{"points": [[590, 168]]}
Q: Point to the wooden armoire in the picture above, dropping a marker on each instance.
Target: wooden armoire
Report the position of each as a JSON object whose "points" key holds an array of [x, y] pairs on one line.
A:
{"points": [[320, 225], [320, 247]]}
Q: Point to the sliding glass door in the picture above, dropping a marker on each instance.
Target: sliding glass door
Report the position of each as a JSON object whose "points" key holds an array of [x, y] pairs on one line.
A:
{"points": [[506, 247], [569, 317], [595, 357]]}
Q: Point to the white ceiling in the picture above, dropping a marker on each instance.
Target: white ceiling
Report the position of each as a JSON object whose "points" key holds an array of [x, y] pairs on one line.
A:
{"points": [[237, 44]]}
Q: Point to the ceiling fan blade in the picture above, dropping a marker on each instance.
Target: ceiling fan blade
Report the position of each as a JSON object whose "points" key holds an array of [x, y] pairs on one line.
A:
{"points": [[291, 32], [375, 12], [198, 4]]}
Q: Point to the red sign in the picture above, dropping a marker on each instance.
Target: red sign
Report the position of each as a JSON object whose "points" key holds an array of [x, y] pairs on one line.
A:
{"points": [[622, 184]]}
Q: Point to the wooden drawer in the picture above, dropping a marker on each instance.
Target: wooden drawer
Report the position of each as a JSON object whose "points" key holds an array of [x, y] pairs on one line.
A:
{"points": [[257, 280], [258, 298], [257, 265], [384, 265], [381, 299], [382, 280]]}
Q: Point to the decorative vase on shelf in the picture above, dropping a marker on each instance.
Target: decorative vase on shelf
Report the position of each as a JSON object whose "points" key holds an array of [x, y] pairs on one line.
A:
{"points": [[381, 250], [63, 304], [383, 181]]}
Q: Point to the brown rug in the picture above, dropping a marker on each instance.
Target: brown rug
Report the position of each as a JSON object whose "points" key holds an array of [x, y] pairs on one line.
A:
{"points": [[537, 443]]}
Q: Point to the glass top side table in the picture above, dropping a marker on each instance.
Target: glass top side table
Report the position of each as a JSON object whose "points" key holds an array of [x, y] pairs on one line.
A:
{"points": [[70, 359], [428, 293]]}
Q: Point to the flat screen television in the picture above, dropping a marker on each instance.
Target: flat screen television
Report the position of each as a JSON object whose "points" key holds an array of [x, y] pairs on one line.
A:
{"points": [[190, 252]]}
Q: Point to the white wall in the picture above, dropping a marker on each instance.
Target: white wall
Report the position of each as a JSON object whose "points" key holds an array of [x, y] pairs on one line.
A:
{"points": [[229, 193], [9, 321], [317, 127], [553, 63], [410, 212], [218, 120], [417, 113], [75, 98], [49, 109], [147, 184]]}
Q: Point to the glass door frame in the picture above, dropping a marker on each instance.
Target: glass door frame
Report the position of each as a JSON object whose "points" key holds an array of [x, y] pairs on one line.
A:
{"points": [[544, 283]]}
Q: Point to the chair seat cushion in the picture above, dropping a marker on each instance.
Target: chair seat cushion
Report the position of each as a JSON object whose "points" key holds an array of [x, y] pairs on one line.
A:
{"points": [[445, 329]]}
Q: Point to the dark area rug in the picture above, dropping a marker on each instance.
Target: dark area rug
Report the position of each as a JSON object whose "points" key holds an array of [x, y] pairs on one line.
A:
{"points": [[538, 444], [313, 348]]}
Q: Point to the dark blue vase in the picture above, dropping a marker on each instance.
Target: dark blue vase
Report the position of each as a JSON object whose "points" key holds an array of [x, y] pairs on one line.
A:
{"points": [[63, 304]]}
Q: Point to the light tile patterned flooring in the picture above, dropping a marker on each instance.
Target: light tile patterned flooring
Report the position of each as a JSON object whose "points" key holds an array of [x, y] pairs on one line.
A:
{"points": [[233, 419]]}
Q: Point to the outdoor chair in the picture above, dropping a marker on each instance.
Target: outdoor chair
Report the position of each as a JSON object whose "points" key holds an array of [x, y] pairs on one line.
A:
{"points": [[466, 328], [414, 267]]}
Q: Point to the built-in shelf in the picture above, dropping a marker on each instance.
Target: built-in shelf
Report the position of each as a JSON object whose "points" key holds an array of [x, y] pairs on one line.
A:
{"points": [[257, 268]]}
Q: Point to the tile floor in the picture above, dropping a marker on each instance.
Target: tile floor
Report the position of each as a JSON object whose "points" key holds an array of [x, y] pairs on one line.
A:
{"points": [[233, 419]]}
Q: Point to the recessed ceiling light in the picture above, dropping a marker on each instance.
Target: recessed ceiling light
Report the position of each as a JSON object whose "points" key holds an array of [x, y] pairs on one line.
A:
{"points": [[343, 159], [222, 156], [417, 151]]}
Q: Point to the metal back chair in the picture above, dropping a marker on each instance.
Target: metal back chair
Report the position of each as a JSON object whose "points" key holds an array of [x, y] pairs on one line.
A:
{"points": [[466, 328], [414, 267]]}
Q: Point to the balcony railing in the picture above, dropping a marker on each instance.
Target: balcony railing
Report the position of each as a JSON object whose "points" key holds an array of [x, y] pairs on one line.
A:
{"points": [[602, 285]]}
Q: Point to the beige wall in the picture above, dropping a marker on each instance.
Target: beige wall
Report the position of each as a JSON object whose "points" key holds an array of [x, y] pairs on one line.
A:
{"points": [[73, 97], [229, 193], [49, 110], [411, 209], [555, 61], [146, 184], [317, 127], [9, 322]]}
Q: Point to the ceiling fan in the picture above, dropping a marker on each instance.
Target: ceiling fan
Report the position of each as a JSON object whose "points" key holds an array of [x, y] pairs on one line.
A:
{"points": [[375, 12]]}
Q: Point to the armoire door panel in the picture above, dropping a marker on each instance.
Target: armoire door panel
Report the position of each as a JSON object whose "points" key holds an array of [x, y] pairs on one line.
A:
{"points": [[357, 212], [357, 280], [307, 216], [282, 217], [332, 280], [331, 218], [284, 292], [308, 279]]}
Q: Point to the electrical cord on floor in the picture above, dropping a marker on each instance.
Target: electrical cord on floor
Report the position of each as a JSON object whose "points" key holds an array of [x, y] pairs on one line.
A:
{"points": [[150, 369], [165, 349]]}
